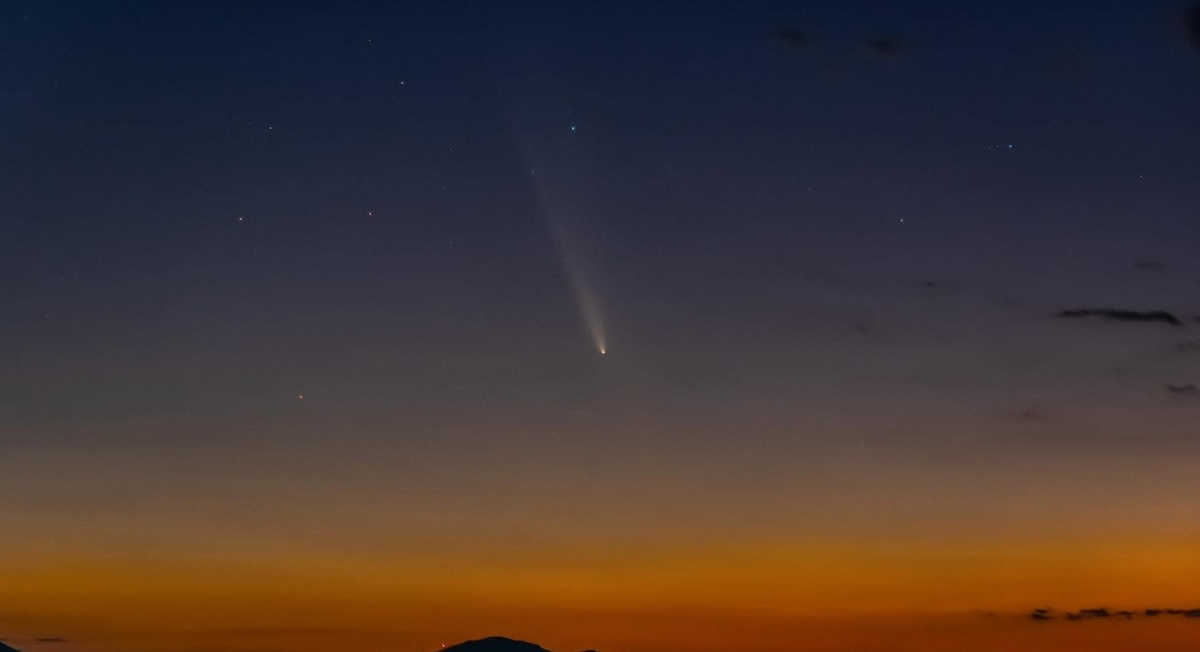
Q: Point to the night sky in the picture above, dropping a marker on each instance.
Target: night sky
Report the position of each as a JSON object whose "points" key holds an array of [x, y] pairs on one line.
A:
{"points": [[647, 327]]}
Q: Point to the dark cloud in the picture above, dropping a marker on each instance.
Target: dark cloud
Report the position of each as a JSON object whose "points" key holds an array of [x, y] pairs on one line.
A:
{"points": [[884, 47], [1186, 613], [51, 639], [791, 37], [1191, 24], [1191, 346], [1113, 314], [1103, 612], [1151, 266], [1183, 391], [1030, 415]]}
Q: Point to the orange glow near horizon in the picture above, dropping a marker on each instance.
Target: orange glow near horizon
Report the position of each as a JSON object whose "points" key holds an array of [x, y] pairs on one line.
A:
{"points": [[818, 597], [793, 558]]}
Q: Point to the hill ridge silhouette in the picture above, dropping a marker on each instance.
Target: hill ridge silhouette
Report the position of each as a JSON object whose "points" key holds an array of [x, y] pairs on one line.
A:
{"points": [[493, 644]]}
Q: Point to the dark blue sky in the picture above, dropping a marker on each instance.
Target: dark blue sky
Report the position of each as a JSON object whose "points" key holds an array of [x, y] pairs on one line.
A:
{"points": [[228, 182]]}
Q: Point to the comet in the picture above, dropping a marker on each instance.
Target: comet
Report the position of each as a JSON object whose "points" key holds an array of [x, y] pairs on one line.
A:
{"points": [[573, 262], [562, 191]]}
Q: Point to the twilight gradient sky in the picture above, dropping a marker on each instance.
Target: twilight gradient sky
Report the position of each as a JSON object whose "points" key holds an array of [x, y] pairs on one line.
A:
{"points": [[300, 309]]}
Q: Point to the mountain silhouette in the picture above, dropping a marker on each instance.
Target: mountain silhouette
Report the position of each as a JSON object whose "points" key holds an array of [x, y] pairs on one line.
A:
{"points": [[490, 644], [5, 648]]}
